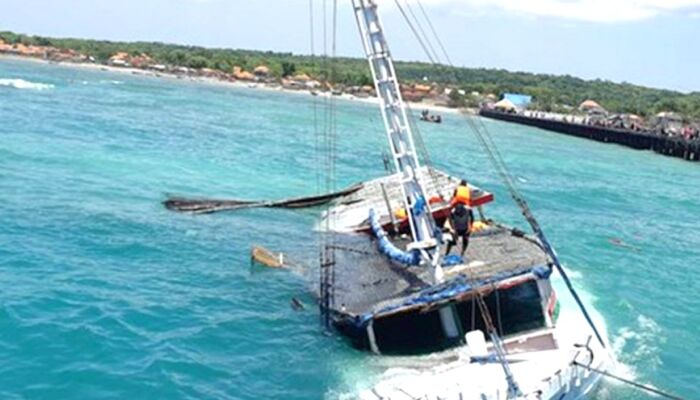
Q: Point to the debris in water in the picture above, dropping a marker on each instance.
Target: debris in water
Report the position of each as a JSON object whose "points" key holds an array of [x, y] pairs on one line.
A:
{"points": [[620, 243], [297, 305], [267, 258], [205, 206]]}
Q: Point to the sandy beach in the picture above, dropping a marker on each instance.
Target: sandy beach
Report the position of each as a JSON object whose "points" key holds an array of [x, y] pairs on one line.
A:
{"points": [[414, 106]]}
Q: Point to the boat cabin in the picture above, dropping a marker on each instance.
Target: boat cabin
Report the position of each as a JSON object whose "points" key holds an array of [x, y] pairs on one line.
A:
{"points": [[394, 309], [389, 307]]}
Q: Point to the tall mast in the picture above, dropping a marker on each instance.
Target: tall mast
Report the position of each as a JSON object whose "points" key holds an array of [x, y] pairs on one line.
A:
{"points": [[398, 129]]}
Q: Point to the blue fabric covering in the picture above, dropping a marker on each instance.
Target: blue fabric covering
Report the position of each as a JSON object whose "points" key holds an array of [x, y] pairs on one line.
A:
{"points": [[452, 259], [518, 100], [417, 210], [453, 288], [542, 272], [419, 206], [387, 248]]}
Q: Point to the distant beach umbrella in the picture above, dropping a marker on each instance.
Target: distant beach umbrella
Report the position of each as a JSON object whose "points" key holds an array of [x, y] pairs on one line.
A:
{"points": [[505, 105]]}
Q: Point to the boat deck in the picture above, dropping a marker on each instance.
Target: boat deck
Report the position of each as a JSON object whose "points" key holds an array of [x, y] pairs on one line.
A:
{"points": [[350, 213], [367, 281]]}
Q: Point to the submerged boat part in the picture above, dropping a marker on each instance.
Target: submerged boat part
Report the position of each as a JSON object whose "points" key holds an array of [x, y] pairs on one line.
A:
{"points": [[267, 258], [206, 206]]}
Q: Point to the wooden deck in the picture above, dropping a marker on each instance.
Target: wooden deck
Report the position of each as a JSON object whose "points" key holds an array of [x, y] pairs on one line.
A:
{"points": [[350, 213]]}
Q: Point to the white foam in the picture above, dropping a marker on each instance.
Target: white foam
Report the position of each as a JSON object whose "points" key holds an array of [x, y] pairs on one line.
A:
{"points": [[637, 345], [22, 84], [642, 339]]}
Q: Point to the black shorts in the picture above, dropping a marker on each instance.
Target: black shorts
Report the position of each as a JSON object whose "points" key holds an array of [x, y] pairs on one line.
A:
{"points": [[463, 233]]}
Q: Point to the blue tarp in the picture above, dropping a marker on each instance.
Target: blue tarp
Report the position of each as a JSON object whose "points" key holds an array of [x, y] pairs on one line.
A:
{"points": [[452, 259], [387, 248], [518, 100], [451, 289]]}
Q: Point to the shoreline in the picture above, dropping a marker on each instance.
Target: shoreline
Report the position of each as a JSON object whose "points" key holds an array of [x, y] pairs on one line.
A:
{"points": [[414, 106]]}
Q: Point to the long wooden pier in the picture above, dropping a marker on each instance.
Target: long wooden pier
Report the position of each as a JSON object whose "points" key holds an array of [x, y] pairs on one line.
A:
{"points": [[670, 146]]}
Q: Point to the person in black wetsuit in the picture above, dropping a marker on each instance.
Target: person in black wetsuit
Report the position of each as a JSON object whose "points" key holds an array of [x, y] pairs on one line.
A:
{"points": [[461, 221]]}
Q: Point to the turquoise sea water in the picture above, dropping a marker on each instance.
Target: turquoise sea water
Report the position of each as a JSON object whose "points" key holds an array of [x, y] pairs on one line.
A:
{"points": [[104, 294]]}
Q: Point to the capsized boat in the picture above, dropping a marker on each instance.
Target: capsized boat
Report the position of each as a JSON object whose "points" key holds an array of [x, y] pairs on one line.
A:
{"points": [[389, 286], [384, 306]]}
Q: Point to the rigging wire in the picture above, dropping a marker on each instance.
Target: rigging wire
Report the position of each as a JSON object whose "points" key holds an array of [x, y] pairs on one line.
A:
{"points": [[334, 116], [637, 385], [432, 29], [328, 245], [314, 102], [483, 136], [420, 28], [499, 348], [415, 33], [422, 149], [409, 111]]}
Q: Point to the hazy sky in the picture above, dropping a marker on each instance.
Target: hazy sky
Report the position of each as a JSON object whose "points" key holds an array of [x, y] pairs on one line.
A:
{"points": [[649, 42]]}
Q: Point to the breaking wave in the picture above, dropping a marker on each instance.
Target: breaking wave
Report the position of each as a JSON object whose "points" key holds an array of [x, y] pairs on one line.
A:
{"points": [[113, 82], [22, 84], [640, 344], [635, 345]]}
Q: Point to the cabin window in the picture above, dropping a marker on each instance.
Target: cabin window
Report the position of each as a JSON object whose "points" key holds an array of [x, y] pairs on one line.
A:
{"points": [[520, 308], [410, 333], [513, 310]]}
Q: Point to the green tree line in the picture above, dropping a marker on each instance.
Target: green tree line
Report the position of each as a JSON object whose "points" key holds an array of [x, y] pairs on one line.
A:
{"points": [[550, 92]]}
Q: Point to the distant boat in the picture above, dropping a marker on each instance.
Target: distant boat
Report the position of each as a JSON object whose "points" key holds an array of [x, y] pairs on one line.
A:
{"points": [[427, 117]]}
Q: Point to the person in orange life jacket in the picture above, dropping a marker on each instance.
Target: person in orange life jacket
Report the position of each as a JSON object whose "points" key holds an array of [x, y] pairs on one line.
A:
{"points": [[461, 216], [461, 223], [461, 195]]}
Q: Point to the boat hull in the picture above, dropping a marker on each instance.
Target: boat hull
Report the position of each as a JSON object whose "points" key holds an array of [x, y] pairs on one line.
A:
{"points": [[541, 373]]}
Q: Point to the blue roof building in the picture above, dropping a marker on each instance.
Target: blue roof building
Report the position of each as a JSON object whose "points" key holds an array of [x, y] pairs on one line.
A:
{"points": [[519, 100]]}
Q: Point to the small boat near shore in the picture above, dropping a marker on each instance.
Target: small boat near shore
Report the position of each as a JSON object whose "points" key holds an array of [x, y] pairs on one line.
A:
{"points": [[426, 116]]}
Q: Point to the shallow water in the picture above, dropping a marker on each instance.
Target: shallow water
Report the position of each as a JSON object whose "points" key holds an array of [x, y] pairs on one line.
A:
{"points": [[106, 294]]}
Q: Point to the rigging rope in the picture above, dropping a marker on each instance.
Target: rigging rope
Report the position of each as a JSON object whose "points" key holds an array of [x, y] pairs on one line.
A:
{"points": [[422, 149], [420, 28], [513, 388], [328, 145], [415, 33], [409, 111], [314, 102], [487, 143], [432, 29]]}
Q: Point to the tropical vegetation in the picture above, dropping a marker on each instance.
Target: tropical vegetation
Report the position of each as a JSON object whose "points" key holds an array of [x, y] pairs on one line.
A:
{"points": [[550, 92]]}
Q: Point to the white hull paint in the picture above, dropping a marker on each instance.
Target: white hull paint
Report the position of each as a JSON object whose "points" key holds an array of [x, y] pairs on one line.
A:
{"points": [[541, 363]]}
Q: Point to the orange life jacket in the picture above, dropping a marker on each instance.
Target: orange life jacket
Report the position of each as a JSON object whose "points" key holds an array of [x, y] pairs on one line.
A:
{"points": [[462, 195], [401, 213]]}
